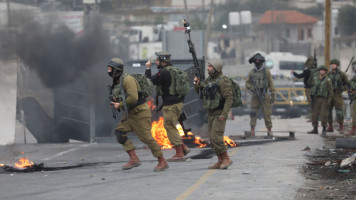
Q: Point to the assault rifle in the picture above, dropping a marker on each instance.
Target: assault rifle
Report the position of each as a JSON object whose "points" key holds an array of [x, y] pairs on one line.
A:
{"points": [[352, 59], [258, 93], [199, 72], [315, 59], [115, 113]]}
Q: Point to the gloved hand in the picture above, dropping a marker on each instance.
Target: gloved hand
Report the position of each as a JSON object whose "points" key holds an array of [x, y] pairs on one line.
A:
{"points": [[273, 98]]}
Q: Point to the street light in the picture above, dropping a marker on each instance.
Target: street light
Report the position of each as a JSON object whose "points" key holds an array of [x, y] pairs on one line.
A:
{"points": [[224, 26]]}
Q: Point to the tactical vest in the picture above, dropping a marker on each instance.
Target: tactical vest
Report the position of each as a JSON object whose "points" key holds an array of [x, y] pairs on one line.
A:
{"points": [[260, 79], [336, 81], [320, 87], [117, 89], [313, 73], [353, 83], [179, 82], [211, 94]]}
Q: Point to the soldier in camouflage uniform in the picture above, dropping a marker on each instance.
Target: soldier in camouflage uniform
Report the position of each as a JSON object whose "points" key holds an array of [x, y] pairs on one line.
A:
{"points": [[353, 96], [138, 119], [258, 82], [339, 81], [217, 98], [320, 95]]}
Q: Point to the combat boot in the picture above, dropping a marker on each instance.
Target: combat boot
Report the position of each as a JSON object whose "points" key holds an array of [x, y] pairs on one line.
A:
{"points": [[217, 164], [341, 127], [133, 162], [352, 131], [314, 131], [179, 156], [162, 165], [330, 127], [252, 131], [269, 132], [324, 130], [185, 148], [226, 162]]}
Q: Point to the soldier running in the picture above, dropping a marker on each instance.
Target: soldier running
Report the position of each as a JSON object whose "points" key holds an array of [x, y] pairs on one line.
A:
{"points": [[138, 119]]}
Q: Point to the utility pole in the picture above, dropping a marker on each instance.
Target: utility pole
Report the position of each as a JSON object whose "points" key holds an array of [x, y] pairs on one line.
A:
{"points": [[327, 34], [8, 14], [208, 29]]}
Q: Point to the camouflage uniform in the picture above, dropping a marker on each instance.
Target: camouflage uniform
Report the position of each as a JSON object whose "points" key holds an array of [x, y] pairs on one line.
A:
{"points": [[264, 82], [138, 119], [321, 94], [224, 98], [339, 82]]}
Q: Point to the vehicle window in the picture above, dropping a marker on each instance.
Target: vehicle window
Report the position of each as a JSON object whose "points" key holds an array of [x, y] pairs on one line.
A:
{"points": [[288, 65]]}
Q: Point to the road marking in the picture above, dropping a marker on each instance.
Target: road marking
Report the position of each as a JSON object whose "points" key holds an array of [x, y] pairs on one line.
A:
{"points": [[202, 180], [65, 152]]}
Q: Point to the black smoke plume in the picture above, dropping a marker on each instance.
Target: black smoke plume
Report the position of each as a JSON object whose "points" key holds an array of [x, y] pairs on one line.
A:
{"points": [[57, 54]]}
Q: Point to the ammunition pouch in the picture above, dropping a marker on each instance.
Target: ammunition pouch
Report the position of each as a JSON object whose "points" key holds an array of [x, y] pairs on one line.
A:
{"points": [[211, 96], [120, 137]]}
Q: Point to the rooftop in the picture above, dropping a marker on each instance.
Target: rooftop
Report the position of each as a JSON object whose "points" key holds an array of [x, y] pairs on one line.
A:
{"points": [[286, 17]]}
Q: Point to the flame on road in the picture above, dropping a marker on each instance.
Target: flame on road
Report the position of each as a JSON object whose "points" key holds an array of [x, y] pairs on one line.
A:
{"points": [[197, 140], [229, 142], [22, 163]]}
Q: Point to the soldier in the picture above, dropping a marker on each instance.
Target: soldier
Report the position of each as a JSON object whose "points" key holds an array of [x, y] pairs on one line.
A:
{"points": [[137, 117], [218, 98], [339, 81], [352, 97], [258, 82], [172, 104], [307, 75], [320, 96]]}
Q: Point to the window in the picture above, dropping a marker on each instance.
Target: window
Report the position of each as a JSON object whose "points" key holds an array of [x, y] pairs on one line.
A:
{"points": [[310, 34], [301, 36], [291, 65]]}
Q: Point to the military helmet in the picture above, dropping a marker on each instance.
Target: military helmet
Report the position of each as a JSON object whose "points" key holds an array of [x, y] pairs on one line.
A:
{"points": [[164, 56], [116, 63], [335, 61], [256, 56], [216, 63], [310, 62], [322, 67]]}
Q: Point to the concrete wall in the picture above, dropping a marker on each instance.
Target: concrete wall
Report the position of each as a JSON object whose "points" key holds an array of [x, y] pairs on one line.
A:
{"points": [[8, 88]]}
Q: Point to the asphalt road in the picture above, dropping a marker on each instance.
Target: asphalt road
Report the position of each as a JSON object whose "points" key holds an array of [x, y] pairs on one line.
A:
{"points": [[262, 169]]}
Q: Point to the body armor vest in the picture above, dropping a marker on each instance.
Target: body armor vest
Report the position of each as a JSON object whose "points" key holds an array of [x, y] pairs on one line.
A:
{"points": [[320, 88], [336, 81]]}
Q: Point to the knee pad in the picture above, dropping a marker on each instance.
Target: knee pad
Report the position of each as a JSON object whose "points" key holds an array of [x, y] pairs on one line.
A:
{"points": [[120, 137]]}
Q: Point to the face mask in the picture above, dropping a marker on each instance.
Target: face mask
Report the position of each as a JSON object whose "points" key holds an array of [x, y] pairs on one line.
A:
{"points": [[110, 73], [258, 65]]}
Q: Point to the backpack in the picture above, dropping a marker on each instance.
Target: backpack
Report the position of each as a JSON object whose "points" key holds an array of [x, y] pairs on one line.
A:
{"points": [[236, 92], [179, 83], [146, 85]]}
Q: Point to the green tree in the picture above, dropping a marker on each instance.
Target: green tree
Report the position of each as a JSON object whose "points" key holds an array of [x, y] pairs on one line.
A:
{"points": [[346, 20]]}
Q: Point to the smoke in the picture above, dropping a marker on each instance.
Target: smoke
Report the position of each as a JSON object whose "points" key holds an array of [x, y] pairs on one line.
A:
{"points": [[57, 54]]}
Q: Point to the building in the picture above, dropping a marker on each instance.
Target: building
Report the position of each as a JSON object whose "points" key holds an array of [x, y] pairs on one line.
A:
{"points": [[287, 30]]}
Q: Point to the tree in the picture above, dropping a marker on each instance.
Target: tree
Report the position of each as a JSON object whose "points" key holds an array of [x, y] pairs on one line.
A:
{"points": [[346, 20]]}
